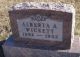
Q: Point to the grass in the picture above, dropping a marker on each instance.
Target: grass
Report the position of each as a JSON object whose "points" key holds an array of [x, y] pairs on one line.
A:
{"points": [[5, 4]]}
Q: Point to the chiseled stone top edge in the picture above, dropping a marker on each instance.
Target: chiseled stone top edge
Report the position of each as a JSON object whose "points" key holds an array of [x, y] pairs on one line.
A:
{"points": [[44, 5]]}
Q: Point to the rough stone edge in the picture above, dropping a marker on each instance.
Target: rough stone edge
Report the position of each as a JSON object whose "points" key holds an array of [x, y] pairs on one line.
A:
{"points": [[43, 5], [73, 25]]}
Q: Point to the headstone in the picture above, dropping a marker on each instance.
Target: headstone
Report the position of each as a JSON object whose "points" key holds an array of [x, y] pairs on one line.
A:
{"points": [[43, 24]]}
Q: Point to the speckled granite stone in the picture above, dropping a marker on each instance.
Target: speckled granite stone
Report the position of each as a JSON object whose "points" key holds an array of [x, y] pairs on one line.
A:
{"points": [[12, 50], [43, 5]]}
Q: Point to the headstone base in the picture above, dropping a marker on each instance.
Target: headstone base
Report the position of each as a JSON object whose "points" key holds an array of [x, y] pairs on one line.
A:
{"points": [[12, 50]]}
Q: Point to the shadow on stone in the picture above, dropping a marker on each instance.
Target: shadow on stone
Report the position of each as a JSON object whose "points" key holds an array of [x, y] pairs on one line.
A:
{"points": [[1, 49]]}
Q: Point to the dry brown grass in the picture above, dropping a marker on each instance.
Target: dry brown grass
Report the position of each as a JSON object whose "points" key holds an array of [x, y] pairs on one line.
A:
{"points": [[4, 18]]}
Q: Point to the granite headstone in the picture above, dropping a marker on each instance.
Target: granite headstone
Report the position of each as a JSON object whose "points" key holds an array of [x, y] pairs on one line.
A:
{"points": [[43, 24]]}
